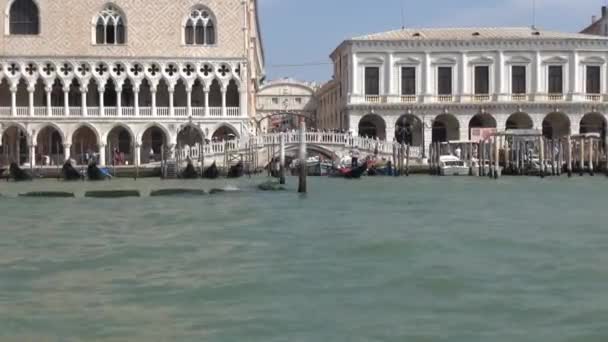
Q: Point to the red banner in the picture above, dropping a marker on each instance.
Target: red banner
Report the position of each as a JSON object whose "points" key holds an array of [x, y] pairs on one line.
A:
{"points": [[479, 134]]}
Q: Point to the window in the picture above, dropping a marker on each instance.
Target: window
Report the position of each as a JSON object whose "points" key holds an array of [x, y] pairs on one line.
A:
{"points": [[556, 79], [23, 18], [482, 80], [518, 79], [372, 81], [298, 100], [110, 27], [408, 81], [200, 28], [275, 100], [593, 79], [444, 80]]}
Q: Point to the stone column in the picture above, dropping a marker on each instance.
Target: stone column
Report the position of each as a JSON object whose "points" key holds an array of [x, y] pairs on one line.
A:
{"points": [[49, 110], [575, 86], [428, 134], [102, 110], [30, 93], [102, 154], [153, 95], [118, 101], [224, 110], [136, 100], [462, 73], [67, 151], [388, 64], [66, 101], [13, 101], [189, 100], [243, 102], [355, 75], [427, 85], [83, 101], [538, 82], [137, 155], [500, 79], [206, 102], [171, 104], [32, 155]]}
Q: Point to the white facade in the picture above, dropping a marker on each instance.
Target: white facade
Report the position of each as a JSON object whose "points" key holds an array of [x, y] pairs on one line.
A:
{"points": [[551, 90], [281, 102], [125, 76]]}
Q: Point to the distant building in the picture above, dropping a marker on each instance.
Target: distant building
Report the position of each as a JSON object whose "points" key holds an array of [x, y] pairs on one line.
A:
{"points": [[281, 102], [431, 85], [598, 27]]}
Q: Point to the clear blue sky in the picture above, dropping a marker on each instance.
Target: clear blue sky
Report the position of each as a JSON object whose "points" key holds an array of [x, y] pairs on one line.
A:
{"points": [[307, 31]]}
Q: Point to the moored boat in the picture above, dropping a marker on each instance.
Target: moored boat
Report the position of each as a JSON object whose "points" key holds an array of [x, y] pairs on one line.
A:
{"points": [[69, 173], [18, 174], [452, 166], [94, 173], [189, 172], [211, 172], [236, 171]]}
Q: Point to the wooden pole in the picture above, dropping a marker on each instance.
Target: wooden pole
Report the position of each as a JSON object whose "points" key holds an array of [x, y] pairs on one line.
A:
{"points": [[560, 157], [481, 152], [302, 188], [395, 166], [541, 147], [282, 160], [552, 151], [582, 156], [407, 160], [497, 157], [569, 155], [591, 147], [470, 157]]}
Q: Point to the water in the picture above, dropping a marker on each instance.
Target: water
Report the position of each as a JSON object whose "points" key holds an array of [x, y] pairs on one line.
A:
{"points": [[417, 259]]}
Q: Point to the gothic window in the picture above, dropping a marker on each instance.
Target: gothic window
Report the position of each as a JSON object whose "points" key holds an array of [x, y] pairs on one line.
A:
{"points": [[110, 28], [23, 18], [200, 28]]}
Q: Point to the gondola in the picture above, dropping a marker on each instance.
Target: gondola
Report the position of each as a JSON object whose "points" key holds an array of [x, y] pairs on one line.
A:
{"points": [[69, 173], [95, 174], [18, 174], [189, 172], [236, 171], [211, 172], [350, 173]]}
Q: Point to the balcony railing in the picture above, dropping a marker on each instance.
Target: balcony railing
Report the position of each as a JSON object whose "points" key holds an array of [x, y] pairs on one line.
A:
{"points": [[555, 97], [481, 97], [181, 111], [445, 98], [233, 111], [375, 99], [114, 112], [408, 98], [519, 97], [593, 97], [215, 111]]}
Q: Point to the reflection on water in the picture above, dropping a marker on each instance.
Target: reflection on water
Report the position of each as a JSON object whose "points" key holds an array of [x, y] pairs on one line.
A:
{"points": [[420, 258]]}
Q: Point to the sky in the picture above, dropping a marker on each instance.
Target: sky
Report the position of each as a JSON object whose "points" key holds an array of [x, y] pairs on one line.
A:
{"points": [[297, 33]]}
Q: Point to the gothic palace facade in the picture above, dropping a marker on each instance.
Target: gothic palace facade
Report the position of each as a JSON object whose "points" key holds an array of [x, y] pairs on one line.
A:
{"points": [[84, 76]]}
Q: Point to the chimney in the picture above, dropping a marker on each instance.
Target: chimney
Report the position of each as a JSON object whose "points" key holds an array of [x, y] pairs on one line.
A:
{"points": [[593, 19], [604, 10]]}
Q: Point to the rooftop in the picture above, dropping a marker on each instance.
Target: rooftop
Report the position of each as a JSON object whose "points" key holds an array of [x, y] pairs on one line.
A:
{"points": [[469, 33]]}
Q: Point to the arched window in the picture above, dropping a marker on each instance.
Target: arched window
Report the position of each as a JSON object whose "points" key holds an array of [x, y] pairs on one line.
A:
{"points": [[110, 28], [23, 18], [200, 27]]}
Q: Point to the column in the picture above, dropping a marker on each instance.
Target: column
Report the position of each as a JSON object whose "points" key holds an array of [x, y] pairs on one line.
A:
{"points": [[189, 100], [49, 110], [243, 101], [32, 155], [171, 104], [102, 110], [575, 88], [118, 101], [30, 93], [538, 82], [224, 113], [136, 100], [500, 79], [66, 101], [388, 64], [355, 75], [102, 155], [153, 95], [14, 101], [206, 102], [83, 101], [66, 151], [427, 80], [462, 74], [427, 123], [137, 155]]}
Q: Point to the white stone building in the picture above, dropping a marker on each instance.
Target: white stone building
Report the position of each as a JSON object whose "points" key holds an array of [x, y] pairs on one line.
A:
{"points": [[281, 102], [440, 83], [84, 76]]}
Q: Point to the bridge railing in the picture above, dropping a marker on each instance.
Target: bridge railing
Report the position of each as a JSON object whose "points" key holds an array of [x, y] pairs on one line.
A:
{"points": [[340, 140]]}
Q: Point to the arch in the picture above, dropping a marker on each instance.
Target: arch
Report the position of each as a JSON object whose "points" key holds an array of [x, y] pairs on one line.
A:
{"points": [[127, 96], [57, 98], [93, 93], [82, 125], [74, 98], [225, 131], [372, 126], [556, 125], [120, 142], [199, 27], [162, 94], [40, 93], [49, 142], [109, 94], [22, 93], [179, 95], [482, 120], [215, 94], [15, 141], [311, 148], [198, 94], [109, 26], [593, 123], [409, 130], [23, 17], [145, 94], [5, 93], [190, 135], [85, 144], [446, 128], [519, 120], [233, 97], [52, 126], [153, 138]]}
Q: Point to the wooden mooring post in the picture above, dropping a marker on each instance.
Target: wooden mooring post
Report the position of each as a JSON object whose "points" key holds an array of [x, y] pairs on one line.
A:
{"points": [[569, 156], [541, 142], [282, 160], [407, 160], [497, 157], [591, 147], [582, 156], [302, 186]]}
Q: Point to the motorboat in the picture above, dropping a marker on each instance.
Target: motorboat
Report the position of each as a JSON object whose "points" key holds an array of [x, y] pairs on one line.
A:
{"points": [[450, 165]]}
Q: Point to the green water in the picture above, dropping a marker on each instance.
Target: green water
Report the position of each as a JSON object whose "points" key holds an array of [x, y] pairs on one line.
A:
{"points": [[416, 259]]}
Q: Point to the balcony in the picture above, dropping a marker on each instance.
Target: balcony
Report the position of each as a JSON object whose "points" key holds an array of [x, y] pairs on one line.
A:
{"points": [[519, 97], [409, 98], [555, 97], [593, 97], [375, 99], [115, 112], [445, 98], [481, 97]]}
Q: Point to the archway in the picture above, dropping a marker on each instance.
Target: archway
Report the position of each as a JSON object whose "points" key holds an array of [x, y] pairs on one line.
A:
{"points": [[556, 125], [215, 94], [198, 94], [162, 94], [189, 136], [127, 96], [49, 146], [84, 146], [22, 94], [153, 140], [40, 93], [180, 98], [594, 123], [5, 94], [372, 126], [14, 146], [74, 97], [233, 98], [482, 120], [446, 128], [145, 94], [109, 94], [409, 130], [120, 145], [519, 120], [93, 93], [224, 133]]}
